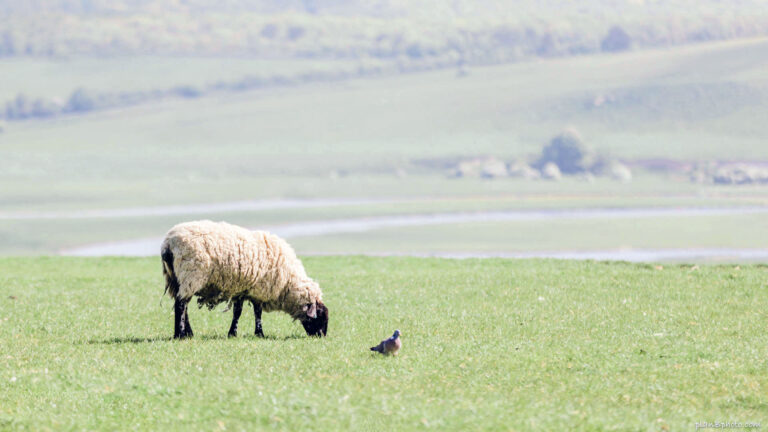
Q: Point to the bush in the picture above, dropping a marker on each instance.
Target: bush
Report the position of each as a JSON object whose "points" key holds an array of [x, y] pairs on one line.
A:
{"points": [[568, 152], [18, 108], [187, 91], [81, 101], [45, 108], [7, 45], [616, 40]]}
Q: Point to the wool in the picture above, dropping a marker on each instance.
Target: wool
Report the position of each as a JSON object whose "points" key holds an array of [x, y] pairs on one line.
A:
{"points": [[217, 262]]}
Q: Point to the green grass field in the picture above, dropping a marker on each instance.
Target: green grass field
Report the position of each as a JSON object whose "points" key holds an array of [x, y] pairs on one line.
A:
{"points": [[689, 103], [391, 137], [488, 345], [58, 78], [740, 231], [51, 235]]}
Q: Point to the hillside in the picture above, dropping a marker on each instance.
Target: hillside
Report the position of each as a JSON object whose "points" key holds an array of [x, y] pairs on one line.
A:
{"points": [[398, 138], [680, 104], [413, 34]]}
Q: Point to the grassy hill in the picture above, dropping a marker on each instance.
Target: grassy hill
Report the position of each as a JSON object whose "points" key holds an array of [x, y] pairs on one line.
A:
{"points": [[389, 137], [57, 78], [681, 104], [506, 344], [409, 33]]}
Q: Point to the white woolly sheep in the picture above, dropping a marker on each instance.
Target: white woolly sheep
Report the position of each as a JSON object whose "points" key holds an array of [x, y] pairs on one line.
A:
{"points": [[219, 262]]}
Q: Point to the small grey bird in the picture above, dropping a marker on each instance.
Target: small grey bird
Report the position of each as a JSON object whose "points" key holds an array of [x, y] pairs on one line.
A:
{"points": [[390, 345]]}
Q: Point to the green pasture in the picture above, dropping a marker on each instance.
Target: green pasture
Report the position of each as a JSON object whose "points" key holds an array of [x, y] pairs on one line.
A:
{"points": [[694, 103], [670, 232], [46, 233], [394, 138], [69, 194], [488, 345], [58, 78]]}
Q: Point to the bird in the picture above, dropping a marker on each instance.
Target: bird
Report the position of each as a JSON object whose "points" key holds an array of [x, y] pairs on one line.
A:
{"points": [[390, 345]]}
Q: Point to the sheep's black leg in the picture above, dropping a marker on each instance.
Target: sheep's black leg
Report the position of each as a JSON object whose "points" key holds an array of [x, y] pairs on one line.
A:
{"points": [[238, 309], [182, 328], [257, 311], [187, 327]]}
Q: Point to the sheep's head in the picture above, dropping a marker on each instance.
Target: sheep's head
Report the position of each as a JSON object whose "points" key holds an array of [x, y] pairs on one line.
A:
{"points": [[315, 319]]}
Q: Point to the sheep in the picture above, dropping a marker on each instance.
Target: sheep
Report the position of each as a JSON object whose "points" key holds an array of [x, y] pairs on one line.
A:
{"points": [[219, 262]]}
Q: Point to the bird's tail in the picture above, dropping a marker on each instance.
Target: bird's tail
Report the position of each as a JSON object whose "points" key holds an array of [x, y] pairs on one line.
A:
{"points": [[376, 348]]}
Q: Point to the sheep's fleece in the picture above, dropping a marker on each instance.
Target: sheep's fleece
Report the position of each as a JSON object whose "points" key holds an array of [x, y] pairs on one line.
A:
{"points": [[218, 261]]}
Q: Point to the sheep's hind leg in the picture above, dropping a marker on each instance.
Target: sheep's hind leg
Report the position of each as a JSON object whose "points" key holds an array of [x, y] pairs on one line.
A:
{"points": [[238, 309], [257, 311], [181, 323], [187, 326]]}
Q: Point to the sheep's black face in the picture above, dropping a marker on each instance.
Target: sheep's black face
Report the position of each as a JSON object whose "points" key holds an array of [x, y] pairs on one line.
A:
{"points": [[317, 326]]}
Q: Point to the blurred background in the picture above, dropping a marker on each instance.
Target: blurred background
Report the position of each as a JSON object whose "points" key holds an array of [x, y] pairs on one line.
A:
{"points": [[608, 129]]}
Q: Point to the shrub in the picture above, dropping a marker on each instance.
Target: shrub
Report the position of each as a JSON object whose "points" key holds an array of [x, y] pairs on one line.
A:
{"points": [[81, 101], [45, 108], [18, 108], [187, 91], [568, 152], [616, 40]]}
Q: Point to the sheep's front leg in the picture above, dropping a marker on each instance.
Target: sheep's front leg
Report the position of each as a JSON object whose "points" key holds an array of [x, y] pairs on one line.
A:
{"points": [[257, 311], [237, 310], [181, 323]]}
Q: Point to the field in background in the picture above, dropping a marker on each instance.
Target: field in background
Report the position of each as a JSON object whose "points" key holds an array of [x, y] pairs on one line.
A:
{"points": [[410, 34], [394, 138], [518, 345], [684, 103], [58, 78]]}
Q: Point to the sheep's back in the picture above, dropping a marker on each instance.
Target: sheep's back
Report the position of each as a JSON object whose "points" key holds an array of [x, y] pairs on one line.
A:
{"points": [[232, 260]]}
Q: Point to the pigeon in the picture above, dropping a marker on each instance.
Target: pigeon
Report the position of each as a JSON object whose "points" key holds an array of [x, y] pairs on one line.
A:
{"points": [[390, 345]]}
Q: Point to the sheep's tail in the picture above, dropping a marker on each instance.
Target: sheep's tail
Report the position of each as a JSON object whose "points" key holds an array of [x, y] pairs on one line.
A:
{"points": [[171, 283]]}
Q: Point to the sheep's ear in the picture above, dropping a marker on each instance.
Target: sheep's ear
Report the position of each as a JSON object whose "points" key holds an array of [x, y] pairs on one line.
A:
{"points": [[311, 310]]}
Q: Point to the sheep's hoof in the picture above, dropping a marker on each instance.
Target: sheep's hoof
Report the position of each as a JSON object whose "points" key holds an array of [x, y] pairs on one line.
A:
{"points": [[259, 334], [232, 334]]}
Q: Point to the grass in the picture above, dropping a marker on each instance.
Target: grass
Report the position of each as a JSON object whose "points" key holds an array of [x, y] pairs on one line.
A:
{"points": [[387, 137], [488, 344], [737, 231], [668, 103], [47, 235], [70, 194], [58, 78]]}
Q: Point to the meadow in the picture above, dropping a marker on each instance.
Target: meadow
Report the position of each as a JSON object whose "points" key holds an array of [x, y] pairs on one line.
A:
{"points": [[32, 76], [393, 138], [681, 104], [489, 344]]}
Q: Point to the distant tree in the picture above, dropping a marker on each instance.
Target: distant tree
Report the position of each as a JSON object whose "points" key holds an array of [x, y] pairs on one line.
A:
{"points": [[19, 108], [616, 40], [7, 45], [295, 32], [81, 100], [187, 91], [414, 51], [568, 152], [310, 6], [546, 45], [269, 31], [44, 108]]}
